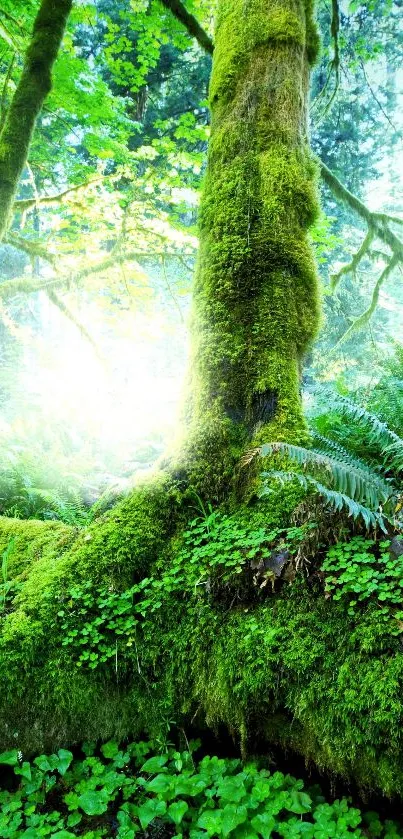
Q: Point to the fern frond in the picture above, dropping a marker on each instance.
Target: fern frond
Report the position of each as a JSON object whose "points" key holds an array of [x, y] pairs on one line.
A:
{"points": [[327, 446], [363, 486], [378, 430], [337, 500]]}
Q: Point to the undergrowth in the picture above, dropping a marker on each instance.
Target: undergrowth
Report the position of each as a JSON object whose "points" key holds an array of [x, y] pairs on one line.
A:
{"points": [[133, 789]]}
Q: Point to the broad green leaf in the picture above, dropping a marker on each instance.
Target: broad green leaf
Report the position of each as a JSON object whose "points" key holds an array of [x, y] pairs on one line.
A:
{"points": [[24, 770], [64, 759], [154, 764], [211, 821], [160, 784], [232, 817], [110, 749], [264, 824], [94, 802], [9, 758], [177, 810], [150, 810]]}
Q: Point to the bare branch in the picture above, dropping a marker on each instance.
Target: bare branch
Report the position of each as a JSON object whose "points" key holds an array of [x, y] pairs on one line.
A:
{"points": [[190, 23]]}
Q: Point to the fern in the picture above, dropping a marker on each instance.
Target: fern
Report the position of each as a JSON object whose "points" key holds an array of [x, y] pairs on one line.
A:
{"points": [[344, 482], [327, 446], [364, 486], [379, 431], [337, 500]]}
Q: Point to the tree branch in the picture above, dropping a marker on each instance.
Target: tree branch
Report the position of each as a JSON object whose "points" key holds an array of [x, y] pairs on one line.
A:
{"points": [[353, 265], [66, 311], [378, 223], [35, 250], [190, 23], [32, 284], [27, 204], [366, 316], [33, 87]]}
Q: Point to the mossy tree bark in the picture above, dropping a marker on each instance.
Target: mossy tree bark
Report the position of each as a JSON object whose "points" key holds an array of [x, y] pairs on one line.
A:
{"points": [[255, 314], [255, 299], [34, 85]]}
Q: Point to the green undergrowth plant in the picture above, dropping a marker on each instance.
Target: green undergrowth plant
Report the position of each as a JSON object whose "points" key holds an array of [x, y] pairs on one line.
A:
{"points": [[134, 789], [30, 490], [361, 570], [354, 461], [345, 482], [99, 624], [362, 433]]}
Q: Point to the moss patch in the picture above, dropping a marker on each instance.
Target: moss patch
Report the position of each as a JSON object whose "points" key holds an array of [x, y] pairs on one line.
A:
{"points": [[291, 668]]}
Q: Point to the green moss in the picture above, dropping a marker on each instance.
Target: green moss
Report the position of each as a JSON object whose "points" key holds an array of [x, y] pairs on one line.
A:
{"points": [[295, 672], [294, 669], [256, 302], [32, 89], [47, 559]]}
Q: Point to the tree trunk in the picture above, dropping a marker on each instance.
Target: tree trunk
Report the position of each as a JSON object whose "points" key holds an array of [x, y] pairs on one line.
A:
{"points": [[255, 314], [256, 297], [33, 87]]}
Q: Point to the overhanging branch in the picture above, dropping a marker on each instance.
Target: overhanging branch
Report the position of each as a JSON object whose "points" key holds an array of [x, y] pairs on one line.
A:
{"points": [[363, 320], [33, 284], [378, 227], [190, 23], [27, 204], [379, 223]]}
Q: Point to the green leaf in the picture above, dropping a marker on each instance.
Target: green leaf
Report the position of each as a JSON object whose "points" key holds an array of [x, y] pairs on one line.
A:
{"points": [[160, 784], [211, 821], [177, 810], [110, 749], [264, 824], [63, 762], [300, 803], [9, 758], [63, 834], [43, 764], [24, 770], [154, 764], [94, 802], [150, 810], [233, 817], [231, 789], [74, 819]]}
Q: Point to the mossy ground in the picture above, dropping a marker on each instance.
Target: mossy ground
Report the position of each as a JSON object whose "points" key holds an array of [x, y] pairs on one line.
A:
{"points": [[292, 668]]}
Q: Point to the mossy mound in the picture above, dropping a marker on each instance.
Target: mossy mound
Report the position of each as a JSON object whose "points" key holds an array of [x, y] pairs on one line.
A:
{"points": [[289, 667]]}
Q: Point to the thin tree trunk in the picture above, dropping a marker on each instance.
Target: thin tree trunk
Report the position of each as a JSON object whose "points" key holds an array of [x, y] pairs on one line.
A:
{"points": [[34, 85], [255, 299]]}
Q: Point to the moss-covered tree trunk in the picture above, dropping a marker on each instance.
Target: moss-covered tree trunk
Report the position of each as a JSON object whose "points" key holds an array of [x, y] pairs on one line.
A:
{"points": [[255, 313], [255, 296], [33, 87]]}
